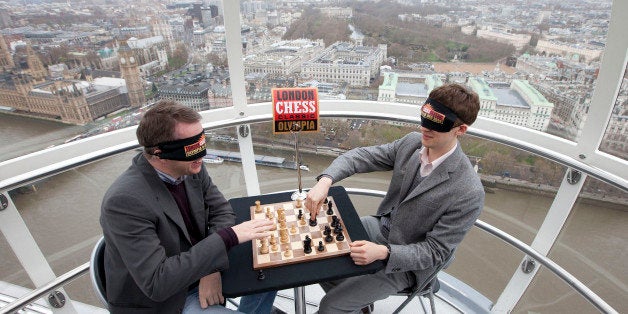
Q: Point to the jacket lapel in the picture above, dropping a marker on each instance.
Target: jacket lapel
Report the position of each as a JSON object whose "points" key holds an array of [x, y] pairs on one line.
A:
{"points": [[412, 167], [162, 195], [439, 175]]}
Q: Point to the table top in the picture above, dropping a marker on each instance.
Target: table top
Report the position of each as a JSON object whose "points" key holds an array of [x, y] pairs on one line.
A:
{"points": [[241, 279]]}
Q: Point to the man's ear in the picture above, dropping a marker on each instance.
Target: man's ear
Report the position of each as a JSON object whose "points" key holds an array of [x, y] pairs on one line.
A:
{"points": [[462, 130]]}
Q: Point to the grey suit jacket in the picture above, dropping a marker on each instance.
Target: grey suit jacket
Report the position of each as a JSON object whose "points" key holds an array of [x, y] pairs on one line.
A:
{"points": [[149, 260], [428, 222]]}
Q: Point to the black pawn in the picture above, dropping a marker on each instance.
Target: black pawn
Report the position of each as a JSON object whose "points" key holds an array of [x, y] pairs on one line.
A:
{"points": [[300, 214], [320, 247], [338, 229], [260, 275], [330, 205], [334, 220], [329, 238], [313, 223], [340, 237], [327, 230], [326, 201]]}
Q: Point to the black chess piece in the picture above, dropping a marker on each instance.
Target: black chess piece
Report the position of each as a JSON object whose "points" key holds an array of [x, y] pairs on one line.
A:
{"points": [[329, 210], [326, 201], [330, 205], [329, 238], [307, 245], [338, 229], [334, 220], [327, 230], [340, 237], [320, 247], [260, 275], [300, 214], [313, 223]]}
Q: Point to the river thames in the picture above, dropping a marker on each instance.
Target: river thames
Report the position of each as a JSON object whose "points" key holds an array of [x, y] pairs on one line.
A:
{"points": [[62, 214]]}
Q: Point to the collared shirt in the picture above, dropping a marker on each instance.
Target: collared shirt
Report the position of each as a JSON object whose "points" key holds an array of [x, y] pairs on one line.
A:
{"points": [[426, 166], [169, 179]]}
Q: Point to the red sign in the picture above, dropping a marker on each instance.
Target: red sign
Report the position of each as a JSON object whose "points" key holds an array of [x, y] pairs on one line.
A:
{"points": [[295, 106]]}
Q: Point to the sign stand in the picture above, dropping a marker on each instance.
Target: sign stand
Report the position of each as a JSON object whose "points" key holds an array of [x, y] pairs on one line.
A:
{"points": [[295, 129]]}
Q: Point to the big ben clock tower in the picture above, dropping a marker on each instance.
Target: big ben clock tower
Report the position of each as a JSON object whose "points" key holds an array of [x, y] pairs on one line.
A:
{"points": [[131, 74]]}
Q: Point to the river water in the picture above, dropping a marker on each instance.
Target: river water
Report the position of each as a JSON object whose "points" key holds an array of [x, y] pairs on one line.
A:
{"points": [[62, 214]]}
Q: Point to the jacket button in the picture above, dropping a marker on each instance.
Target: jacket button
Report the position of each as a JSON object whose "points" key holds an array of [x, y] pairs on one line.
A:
{"points": [[396, 269]]}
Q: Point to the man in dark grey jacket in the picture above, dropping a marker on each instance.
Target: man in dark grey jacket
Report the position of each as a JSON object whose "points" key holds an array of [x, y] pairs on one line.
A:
{"points": [[433, 199], [166, 225]]}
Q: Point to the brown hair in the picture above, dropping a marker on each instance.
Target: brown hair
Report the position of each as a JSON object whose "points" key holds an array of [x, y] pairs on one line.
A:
{"points": [[464, 102], [158, 123]]}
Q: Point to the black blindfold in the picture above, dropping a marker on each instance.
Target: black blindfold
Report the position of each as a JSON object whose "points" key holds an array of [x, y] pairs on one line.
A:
{"points": [[187, 149], [437, 117]]}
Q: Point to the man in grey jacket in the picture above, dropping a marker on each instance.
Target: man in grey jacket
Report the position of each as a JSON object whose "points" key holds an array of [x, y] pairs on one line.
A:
{"points": [[433, 199], [168, 228]]}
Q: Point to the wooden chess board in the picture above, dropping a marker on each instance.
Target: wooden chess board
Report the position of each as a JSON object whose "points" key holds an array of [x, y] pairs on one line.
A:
{"points": [[291, 251]]}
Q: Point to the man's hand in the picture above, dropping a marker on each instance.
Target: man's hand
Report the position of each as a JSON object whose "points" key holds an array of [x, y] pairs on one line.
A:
{"points": [[317, 195], [210, 290], [252, 229], [365, 252]]}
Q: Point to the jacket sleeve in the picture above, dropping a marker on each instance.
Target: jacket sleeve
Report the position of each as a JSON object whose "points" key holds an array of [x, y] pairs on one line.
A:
{"points": [[442, 240], [130, 227]]}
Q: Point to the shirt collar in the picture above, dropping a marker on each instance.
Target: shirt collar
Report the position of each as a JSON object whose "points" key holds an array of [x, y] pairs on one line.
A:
{"points": [[437, 161], [169, 179]]}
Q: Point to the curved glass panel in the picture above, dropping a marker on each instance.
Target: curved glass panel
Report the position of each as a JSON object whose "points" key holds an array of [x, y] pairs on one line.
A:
{"points": [[615, 140], [592, 247]]}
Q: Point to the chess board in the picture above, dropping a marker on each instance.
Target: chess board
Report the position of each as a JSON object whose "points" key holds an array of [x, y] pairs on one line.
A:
{"points": [[296, 235]]}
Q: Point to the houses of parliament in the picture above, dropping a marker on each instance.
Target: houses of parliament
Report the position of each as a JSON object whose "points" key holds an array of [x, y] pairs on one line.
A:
{"points": [[28, 88]]}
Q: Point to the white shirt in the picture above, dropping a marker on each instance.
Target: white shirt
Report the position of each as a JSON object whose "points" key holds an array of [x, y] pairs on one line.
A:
{"points": [[426, 166]]}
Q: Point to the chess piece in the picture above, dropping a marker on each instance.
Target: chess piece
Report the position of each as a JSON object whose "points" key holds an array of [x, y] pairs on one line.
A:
{"points": [[340, 237], [269, 214], [264, 248], [287, 252], [313, 222], [299, 202], [283, 236], [329, 238], [307, 245], [338, 229], [302, 221], [258, 207], [320, 247], [334, 220], [282, 224], [281, 215], [327, 230], [330, 208], [300, 214], [260, 275], [274, 247], [326, 201], [273, 240], [293, 229]]}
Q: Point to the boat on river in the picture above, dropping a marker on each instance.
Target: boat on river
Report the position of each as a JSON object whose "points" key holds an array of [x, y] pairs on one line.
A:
{"points": [[213, 159]]}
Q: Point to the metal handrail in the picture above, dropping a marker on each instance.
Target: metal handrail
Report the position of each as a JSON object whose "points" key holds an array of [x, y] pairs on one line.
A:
{"points": [[576, 284], [9, 183], [572, 281], [41, 291]]}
